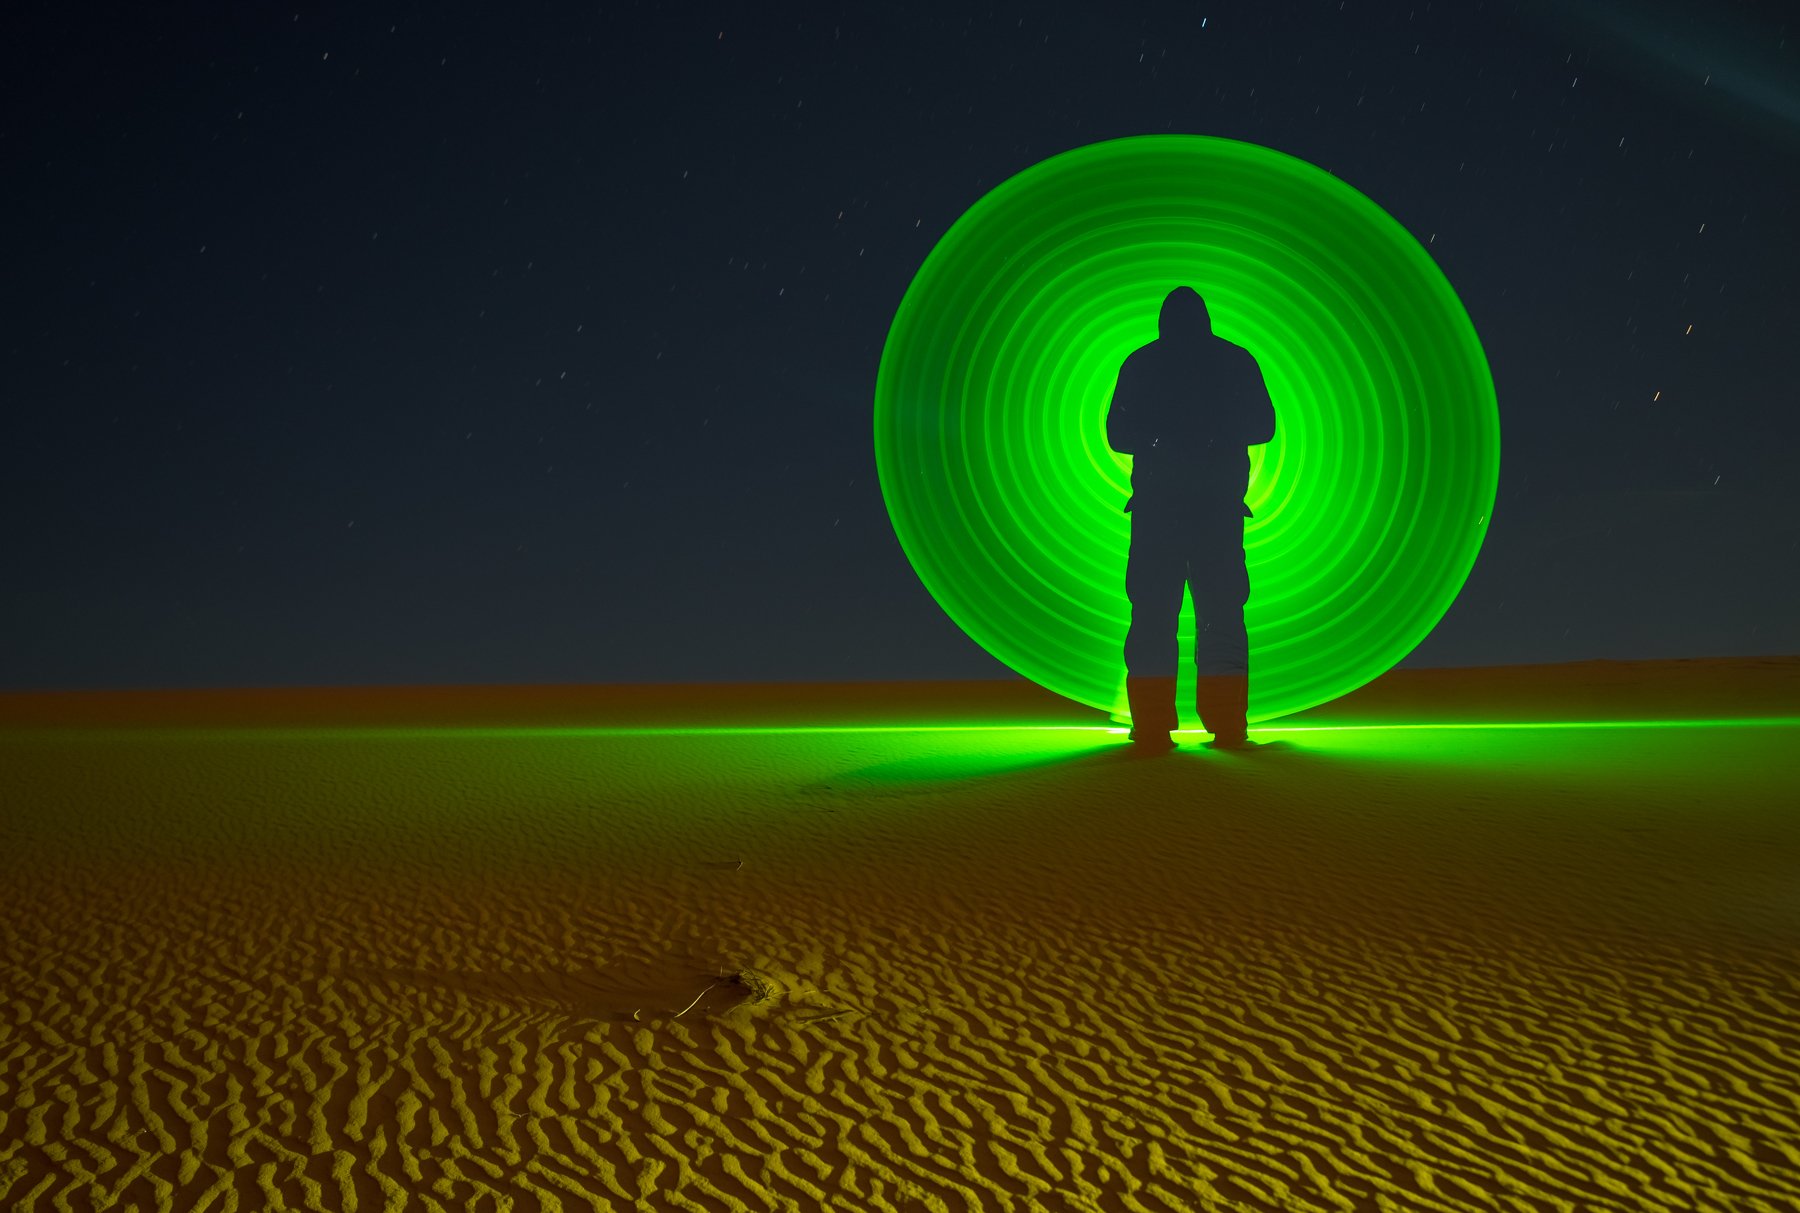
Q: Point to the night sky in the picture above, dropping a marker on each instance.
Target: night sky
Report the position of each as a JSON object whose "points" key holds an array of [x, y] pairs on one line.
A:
{"points": [[460, 343]]}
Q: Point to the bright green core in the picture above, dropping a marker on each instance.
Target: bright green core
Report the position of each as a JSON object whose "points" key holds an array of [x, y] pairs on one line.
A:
{"points": [[990, 408]]}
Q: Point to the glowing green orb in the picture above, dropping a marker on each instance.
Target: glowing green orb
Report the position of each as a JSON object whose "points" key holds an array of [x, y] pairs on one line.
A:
{"points": [[990, 409]]}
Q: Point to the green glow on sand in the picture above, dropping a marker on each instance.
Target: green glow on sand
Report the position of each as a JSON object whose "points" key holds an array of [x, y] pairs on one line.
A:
{"points": [[1763, 722], [990, 408], [1077, 734]]}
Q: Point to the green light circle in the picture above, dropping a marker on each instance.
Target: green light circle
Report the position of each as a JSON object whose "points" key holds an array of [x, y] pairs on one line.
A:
{"points": [[990, 409]]}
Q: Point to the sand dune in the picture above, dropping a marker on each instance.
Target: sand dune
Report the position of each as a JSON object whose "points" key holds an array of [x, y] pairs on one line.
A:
{"points": [[458, 950]]}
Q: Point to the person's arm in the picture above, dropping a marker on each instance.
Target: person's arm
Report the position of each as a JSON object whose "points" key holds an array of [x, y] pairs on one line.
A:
{"points": [[1259, 418], [1121, 418]]}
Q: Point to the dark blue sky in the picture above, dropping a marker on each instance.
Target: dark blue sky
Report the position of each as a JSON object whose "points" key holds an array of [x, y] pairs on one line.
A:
{"points": [[537, 343]]}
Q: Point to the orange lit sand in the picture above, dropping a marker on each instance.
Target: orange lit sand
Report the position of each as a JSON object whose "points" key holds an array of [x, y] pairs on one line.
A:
{"points": [[283, 950]]}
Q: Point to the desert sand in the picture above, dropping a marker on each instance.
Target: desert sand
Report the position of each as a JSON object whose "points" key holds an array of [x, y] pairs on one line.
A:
{"points": [[1517, 939]]}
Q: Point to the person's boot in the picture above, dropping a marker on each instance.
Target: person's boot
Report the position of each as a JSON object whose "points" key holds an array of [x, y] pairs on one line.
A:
{"points": [[1224, 701], [1152, 712]]}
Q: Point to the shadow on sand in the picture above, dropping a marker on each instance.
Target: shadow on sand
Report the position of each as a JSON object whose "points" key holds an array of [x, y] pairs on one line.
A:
{"points": [[636, 989], [962, 771]]}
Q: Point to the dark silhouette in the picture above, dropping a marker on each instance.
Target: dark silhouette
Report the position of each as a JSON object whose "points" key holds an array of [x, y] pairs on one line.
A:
{"points": [[1185, 408]]}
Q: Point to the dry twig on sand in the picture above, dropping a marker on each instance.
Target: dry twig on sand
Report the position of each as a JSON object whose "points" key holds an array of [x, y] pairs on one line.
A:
{"points": [[637, 1014], [697, 998]]}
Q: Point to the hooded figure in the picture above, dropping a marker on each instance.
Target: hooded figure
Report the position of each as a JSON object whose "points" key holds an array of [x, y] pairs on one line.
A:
{"points": [[1186, 408]]}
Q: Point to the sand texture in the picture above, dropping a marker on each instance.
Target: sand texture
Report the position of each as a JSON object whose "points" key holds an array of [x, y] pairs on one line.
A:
{"points": [[568, 950]]}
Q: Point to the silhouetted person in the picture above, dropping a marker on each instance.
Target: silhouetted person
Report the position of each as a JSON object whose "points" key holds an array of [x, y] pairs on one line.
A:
{"points": [[1185, 408]]}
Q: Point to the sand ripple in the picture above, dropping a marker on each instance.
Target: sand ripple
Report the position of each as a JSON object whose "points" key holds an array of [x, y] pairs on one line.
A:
{"points": [[1504, 971]]}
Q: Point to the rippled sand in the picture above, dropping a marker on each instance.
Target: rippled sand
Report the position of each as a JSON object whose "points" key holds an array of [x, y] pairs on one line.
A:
{"points": [[372, 950]]}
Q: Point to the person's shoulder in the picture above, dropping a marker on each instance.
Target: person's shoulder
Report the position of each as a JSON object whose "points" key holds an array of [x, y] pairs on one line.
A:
{"points": [[1238, 355], [1142, 356]]}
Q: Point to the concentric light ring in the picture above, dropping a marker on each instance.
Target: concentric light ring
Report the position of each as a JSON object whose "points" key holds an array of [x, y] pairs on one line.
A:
{"points": [[990, 409]]}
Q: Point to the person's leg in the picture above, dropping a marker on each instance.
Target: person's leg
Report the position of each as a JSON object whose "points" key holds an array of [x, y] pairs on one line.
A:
{"points": [[1155, 575], [1221, 584]]}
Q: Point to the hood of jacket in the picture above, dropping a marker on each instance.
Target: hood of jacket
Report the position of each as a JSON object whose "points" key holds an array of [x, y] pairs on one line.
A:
{"points": [[1184, 319]]}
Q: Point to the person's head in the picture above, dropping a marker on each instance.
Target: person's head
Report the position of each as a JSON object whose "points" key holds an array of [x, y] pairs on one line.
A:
{"points": [[1184, 316]]}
